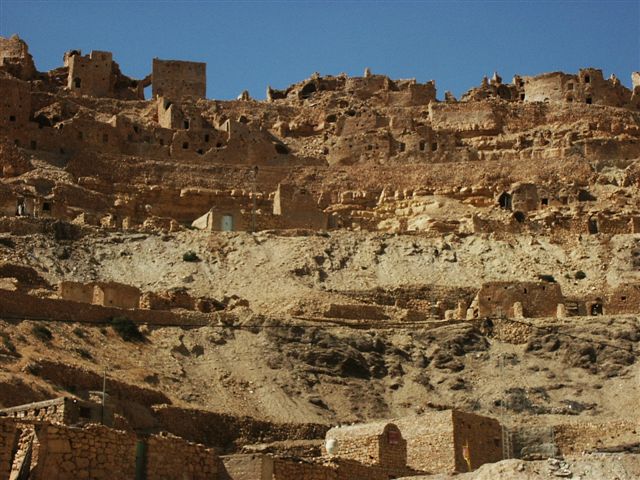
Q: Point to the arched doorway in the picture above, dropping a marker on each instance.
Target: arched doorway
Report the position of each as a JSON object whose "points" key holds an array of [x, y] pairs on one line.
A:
{"points": [[504, 200]]}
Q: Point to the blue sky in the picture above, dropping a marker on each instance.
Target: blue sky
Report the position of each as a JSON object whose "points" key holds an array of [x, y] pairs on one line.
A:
{"points": [[252, 44]]}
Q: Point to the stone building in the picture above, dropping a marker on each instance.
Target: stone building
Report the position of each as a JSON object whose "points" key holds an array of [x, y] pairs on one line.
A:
{"points": [[107, 294], [298, 208], [518, 299], [451, 441], [380, 444], [176, 79]]}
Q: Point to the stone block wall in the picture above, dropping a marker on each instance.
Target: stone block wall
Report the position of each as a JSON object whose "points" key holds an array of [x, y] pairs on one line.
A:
{"points": [[477, 437], [95, 453], [19, 305], [356, 312], [8, 439], [176, 79], [90, 74], [575, 438], [171, 457], [538, 299], [430, 441]]}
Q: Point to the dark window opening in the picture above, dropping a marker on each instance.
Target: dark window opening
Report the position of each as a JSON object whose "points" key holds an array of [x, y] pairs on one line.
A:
{"points": [[61, 151], [46, 207], [325, 151], [77, 82], [186, 124], [623, 298], [16, 142], [219, 145], [596, 309], [589, 100], [564, 200], [136, 129], [185, 145], [569, 99], [206, 138], [569, 86], [434, 146], [422, 145], [33, 144], [504, 200], [12, 118], [161, 142], [80, 136], [522, 96], [519, 216], [587, 79], [200, 151], [281, 149], [593, 226], [544, 201], [525, 290], [401, 146]]}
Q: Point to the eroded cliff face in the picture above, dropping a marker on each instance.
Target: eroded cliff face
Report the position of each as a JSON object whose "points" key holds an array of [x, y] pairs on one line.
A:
{"points": [[382, 252]]}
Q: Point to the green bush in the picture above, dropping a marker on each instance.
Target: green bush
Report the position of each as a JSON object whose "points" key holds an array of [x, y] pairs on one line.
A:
{"points": [[78, 332], [190, 256], [8, 344], [127, 330], [42, 333], [580, 275]]}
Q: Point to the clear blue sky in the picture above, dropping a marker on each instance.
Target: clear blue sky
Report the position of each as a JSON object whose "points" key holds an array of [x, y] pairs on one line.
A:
{"points": [[252, 44]]}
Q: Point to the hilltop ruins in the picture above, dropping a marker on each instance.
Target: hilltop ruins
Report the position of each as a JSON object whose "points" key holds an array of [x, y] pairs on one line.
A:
{"points": [[348, 250]]}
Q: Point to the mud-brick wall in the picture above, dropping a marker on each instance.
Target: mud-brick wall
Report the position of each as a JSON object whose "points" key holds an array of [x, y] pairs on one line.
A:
{"points": [[169, 457], [8, 436], [430, 442], [571, 439], [482, 436], [95, 453], [285, 469]]}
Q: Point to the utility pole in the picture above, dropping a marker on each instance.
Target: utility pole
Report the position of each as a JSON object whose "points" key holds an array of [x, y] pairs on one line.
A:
{"points": [[104, 393]]}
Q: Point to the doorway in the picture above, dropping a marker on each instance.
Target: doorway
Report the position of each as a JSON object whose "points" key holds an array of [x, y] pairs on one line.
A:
{"points": [[227, 223]]}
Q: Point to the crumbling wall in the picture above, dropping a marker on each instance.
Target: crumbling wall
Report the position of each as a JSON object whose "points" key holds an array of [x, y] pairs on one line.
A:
{"points": [[430, 441], [176, 79], [8, 443], [171, 457], [90, 74], [477, 438], [18, 305], [464, 117], [538, 299], [356, 312], [119, 295], [623, 299], [576, 438], [15, 103], [298, 208], [95, 452], [371, 444], [15, 58]]}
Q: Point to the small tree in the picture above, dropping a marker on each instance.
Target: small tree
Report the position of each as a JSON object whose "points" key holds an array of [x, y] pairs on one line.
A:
{"points": [[190, 256], [42, 333], [126, 329]]}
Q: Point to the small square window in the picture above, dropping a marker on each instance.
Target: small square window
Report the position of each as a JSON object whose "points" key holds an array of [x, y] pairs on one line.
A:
{"points": [[185, 145], [12, 118]]}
